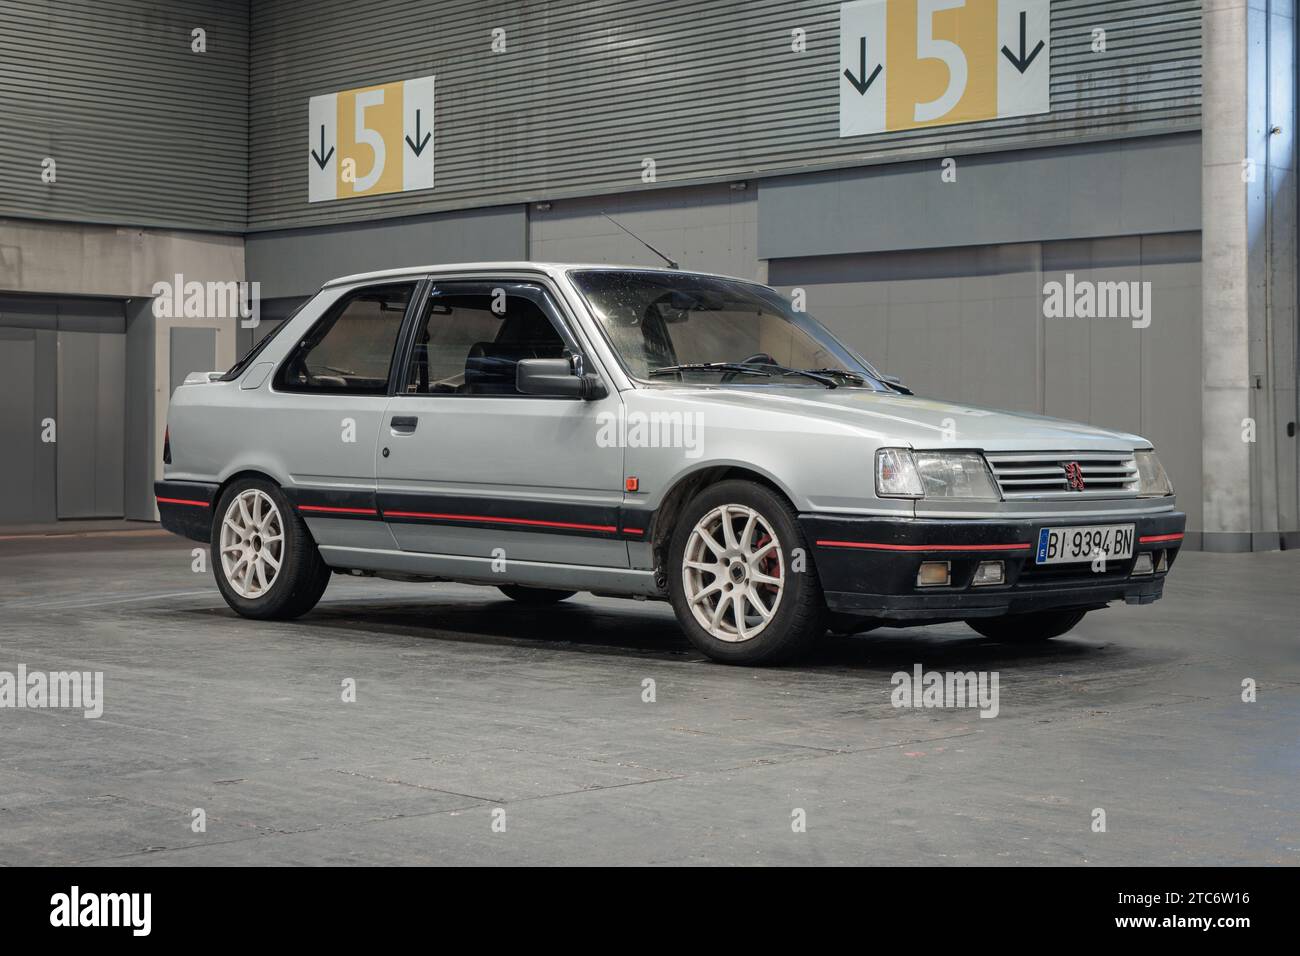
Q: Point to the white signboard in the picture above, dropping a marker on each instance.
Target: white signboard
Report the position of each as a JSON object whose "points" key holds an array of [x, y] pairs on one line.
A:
{"points": [[906, 64], [370, 141]]}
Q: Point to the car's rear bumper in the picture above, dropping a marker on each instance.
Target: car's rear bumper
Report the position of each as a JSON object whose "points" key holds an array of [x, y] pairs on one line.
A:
{"points": [[185, 508], [868, 566]]}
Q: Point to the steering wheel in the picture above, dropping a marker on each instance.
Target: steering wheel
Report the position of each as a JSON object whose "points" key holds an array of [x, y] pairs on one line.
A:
{"points": [[758, 358]]}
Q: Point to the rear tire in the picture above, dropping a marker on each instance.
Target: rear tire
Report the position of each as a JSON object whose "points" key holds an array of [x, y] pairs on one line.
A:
{"points": [[534, 596], [263, 557], [1027, 628], [733, 547]]}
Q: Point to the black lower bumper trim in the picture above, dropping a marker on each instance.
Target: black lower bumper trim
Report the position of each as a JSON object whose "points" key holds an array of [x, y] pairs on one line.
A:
{"points": [[185, 508], [868, 566], [939, 606]]}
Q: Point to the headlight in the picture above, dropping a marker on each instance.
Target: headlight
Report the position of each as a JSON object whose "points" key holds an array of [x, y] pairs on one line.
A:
{"points": [[901, 473], [896, 475], [1152, 480]]}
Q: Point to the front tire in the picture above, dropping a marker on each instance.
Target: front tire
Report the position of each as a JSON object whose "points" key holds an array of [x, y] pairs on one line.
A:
{"points": [[1027, 628], [740, 591], [264, 558]]}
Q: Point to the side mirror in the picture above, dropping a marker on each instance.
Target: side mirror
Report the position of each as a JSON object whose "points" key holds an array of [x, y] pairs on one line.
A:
{"points": [[556, 377], [896, 383]]}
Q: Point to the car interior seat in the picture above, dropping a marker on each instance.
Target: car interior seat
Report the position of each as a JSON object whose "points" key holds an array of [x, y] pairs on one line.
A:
{"points": [[525, 333]]}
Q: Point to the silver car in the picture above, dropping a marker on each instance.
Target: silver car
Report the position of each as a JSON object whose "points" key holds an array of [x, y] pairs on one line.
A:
{"points": [[646, 433]]}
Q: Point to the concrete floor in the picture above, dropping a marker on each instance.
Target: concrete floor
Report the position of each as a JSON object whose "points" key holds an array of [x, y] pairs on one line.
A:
{"points": [[467, 703]]}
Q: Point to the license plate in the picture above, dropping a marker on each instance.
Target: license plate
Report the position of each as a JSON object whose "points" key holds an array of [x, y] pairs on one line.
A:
{"points": [[1064, 545]]}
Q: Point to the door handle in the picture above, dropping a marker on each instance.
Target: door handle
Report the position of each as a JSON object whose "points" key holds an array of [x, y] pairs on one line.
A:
{"points": [[404, 423]]}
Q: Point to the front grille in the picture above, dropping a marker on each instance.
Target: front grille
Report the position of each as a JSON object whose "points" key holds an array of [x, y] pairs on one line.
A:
{"points": [[1043, 474]]}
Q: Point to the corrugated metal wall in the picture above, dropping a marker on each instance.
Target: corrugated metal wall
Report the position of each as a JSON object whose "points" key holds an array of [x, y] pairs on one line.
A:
{"points": [[588, 88], [143, 130]]}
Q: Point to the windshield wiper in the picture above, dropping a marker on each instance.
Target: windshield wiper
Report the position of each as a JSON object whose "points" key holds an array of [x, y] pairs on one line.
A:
{"points": [[710, 367], [823, 376], [853, 377], [817, 375]]}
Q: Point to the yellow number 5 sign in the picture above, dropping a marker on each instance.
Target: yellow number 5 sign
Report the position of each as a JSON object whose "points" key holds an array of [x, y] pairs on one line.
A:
{"points": [[911, 63], [370, 141]]}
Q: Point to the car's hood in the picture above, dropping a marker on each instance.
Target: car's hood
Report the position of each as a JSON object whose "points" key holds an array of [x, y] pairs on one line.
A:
{"points": [[909, 419]]}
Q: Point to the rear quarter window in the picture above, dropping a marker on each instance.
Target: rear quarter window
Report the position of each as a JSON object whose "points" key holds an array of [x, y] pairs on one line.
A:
{"points": [[350, 349]]}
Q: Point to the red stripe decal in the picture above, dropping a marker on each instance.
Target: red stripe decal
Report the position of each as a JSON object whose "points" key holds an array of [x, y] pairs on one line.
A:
{"points": [[338, 511], [183, 501], [871, 546], [1153, 538], [492, 520], [633, 531]]}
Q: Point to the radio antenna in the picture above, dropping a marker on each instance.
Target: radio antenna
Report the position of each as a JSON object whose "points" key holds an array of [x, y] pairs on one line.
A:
{"points": [[672, 264]]}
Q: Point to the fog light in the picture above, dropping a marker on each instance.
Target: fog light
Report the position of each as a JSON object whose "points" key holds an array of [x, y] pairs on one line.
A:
{"points": [[989, 572], [1143, 563], [1162, 565], [934, 574]]}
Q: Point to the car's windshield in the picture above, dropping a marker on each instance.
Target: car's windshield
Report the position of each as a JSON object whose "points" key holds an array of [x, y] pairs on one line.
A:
{"points": [[667, 326]]}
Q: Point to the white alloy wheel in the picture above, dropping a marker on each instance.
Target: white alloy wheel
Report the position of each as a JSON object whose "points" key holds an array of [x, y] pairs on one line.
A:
{"points": [[733, 573], [252, 543]]}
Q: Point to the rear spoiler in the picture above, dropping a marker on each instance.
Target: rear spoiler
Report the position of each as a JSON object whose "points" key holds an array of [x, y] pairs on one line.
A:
{"points": [[202, 378]]}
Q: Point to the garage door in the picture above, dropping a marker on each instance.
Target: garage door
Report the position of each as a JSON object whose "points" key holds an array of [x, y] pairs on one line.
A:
{"points": [[62, 360], [92, 411], [27, 358]]}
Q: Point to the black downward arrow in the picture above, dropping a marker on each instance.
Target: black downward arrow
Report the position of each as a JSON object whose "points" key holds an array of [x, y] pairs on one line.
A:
{"points": [[860, 85], [417, 150], [1022, 62], [324, 158]]}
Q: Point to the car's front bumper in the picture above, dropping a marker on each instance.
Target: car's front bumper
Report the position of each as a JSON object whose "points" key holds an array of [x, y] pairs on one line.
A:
{"points": [[868, 566]]}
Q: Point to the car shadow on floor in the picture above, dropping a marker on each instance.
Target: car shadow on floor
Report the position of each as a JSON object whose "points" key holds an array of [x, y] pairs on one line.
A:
{"points": [[943, 647], [648, 629]]}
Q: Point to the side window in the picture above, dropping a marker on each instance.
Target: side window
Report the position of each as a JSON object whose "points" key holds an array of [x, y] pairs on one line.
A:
{"points": [[351, 348], [473, 334]]}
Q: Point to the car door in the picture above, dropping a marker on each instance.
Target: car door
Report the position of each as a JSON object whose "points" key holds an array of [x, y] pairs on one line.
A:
{"points": [[469, 466], [324, 410]]}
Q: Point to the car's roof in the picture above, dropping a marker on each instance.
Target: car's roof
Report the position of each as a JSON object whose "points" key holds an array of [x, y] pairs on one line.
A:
{"points": [[549, 268]]}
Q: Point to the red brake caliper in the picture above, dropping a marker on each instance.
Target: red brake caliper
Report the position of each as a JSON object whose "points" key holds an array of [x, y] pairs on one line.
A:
{"points": [[771, 566]]}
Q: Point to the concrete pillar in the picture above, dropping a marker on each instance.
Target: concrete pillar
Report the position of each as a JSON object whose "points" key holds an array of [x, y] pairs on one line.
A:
{"points": [[1248, 267]]}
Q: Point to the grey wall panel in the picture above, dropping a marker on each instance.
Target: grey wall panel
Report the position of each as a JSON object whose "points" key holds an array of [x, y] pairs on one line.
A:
{"points": [[141, 456], [708, 228], [192, 350], [1171, 352], [92, 408], [92, 315], [18, 419], [1126, 187], [27, 397], [589, 88], [968, 325], [958, 324], [65, 313], [297, 262], [78, 390], [29, 312], [142, 130]]}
